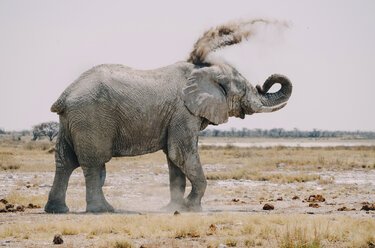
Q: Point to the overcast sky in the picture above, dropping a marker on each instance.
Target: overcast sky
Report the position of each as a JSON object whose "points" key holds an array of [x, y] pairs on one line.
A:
{"points": [[328, 53]]}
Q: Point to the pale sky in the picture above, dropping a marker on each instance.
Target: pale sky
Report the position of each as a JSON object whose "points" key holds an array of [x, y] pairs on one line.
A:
{"points": [[328, 53]]}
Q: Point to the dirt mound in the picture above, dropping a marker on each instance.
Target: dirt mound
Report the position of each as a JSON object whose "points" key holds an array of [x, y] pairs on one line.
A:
{"points": [[268, 206], [236, 200], [345, 209], [32, 206], [314, 205], [315, 198], [368, 207], [10, 208], [295, 197], [57, 239]]}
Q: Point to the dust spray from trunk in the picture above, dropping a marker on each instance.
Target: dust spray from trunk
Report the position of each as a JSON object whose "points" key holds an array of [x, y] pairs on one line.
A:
{"points": [[226, 35]]}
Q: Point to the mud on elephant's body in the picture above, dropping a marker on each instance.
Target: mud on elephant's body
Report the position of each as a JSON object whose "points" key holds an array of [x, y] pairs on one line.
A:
{"points": [[113, 110]]}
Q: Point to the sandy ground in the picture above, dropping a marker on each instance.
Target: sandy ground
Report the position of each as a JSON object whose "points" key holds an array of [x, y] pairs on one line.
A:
{"points": [[141, 190]]}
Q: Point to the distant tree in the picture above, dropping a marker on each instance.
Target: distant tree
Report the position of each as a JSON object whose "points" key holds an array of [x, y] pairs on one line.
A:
{"points": [[282, 133], [37, 132], [25, 132], [2, 131], [49, 129]]}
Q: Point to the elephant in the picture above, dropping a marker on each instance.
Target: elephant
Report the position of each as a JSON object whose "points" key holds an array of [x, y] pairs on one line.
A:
{"points": [[114, 111]]}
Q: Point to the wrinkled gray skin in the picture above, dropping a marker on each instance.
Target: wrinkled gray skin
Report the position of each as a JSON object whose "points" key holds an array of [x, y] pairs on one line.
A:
{"points": [[115, 111]]}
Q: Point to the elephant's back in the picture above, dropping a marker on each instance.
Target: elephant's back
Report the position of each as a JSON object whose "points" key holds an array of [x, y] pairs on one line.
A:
{"points": [[123, 83]]}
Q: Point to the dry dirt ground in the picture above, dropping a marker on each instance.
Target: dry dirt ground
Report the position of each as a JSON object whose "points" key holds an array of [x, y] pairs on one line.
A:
{"points": [[232, 214]]}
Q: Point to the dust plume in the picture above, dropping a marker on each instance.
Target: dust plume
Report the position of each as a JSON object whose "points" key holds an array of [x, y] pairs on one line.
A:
{"points": [[226, 35]]}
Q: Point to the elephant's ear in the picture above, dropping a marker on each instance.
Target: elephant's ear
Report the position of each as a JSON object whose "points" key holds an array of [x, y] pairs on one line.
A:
{"points": [[204, 96]]}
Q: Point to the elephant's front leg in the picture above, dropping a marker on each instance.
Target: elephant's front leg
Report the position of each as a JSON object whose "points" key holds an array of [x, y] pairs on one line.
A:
{"points": [[185, 156], [195, 174], [177, 185], [95, 199]]}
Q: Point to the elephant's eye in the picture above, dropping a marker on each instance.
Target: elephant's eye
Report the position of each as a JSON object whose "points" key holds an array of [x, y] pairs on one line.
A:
{"points": [[222, 88]]}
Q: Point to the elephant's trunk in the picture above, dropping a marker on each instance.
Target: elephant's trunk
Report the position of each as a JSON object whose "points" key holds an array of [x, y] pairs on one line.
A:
{"points": [[270, 102], [279, 97]]}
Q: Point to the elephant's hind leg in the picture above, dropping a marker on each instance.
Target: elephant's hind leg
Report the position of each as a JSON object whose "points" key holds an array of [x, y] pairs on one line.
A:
{"points": [[66, 162], [93, 148], [95, 199]]}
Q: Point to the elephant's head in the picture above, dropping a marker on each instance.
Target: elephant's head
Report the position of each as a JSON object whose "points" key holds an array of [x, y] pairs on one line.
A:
{"points": [[219, 91]]}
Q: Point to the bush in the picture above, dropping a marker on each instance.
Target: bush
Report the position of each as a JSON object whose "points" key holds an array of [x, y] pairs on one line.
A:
{"points": [[9, 167], [37, 146], [123, 244]]}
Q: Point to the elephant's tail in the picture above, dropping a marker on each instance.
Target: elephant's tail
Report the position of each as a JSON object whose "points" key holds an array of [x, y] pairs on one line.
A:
{"points": [[59, 106], [225, 35]]}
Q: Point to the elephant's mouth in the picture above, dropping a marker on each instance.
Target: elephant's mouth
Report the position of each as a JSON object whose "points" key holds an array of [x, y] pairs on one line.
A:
{"points": [[242, 113]]}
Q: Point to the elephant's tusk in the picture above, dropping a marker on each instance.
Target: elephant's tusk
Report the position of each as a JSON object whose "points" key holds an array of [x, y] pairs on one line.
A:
{"points": [[265, 109]]}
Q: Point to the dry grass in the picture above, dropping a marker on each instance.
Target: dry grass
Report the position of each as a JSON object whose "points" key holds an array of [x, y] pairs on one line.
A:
{"points": [[25, 156], [30, 156], [122, 244], [295, 158], [24, 199], [238, 230], [38, 145], [246, 172]]}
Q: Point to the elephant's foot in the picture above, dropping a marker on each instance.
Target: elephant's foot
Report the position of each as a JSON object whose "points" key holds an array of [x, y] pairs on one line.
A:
{"points": [[193, 207], [99, 207], [186, 206], [175, 206], [193, 204], [56, 207]]}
